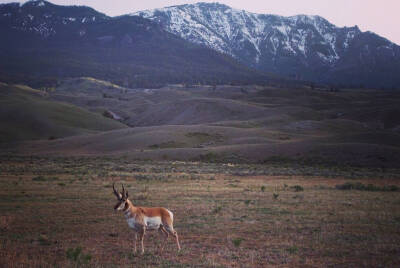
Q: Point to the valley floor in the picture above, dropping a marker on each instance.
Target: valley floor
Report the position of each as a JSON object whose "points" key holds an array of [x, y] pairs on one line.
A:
{"points": [[59, 212]]}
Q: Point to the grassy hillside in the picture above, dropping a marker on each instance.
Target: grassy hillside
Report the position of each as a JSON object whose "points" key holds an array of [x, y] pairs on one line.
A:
{"points": [[236, 124], [27, 114]]}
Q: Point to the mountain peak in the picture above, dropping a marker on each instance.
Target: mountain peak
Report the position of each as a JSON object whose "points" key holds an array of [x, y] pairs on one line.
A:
{"points": [[210, 4], [38, 3], [308, 18], [301, 46]]}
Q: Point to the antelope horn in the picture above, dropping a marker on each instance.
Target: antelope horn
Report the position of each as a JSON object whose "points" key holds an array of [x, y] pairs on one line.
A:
{"points": [[118, 195], [123, 191]]}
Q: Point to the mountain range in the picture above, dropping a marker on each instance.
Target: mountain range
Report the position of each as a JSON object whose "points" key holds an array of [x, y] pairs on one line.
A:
{"points": [[306, 47], [195, 43], [42, 42]]}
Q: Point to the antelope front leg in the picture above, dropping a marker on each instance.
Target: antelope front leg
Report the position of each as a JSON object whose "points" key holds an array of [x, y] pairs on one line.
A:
{"points": [[142, 238], [134, 250]]}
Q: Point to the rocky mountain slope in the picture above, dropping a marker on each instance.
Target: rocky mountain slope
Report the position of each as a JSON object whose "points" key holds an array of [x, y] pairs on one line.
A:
{"points": [[306, 47]]}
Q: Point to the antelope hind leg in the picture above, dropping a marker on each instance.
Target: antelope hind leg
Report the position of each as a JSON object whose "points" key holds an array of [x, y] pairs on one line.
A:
{"points": [[175, 234], [163, 231]]}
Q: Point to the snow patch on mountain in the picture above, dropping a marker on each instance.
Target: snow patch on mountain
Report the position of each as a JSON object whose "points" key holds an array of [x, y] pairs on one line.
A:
{"points": [[247, 35]]}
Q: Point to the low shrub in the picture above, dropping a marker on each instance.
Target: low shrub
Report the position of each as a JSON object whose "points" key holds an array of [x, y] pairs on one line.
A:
{"points": [[217, 209], [369, 187], [77, 256], [292, 250], [237, 241], [247, 202], [297, 188]]}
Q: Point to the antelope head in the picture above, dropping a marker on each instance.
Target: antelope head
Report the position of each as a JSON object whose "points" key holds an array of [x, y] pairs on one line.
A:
{"points": [[122, 198]]}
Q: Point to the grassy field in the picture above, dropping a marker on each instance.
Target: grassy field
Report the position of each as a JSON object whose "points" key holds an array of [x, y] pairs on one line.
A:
{"points": [[58, 212]]}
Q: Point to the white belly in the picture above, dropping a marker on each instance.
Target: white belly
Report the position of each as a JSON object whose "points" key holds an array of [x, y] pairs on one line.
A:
{"points": [[152, 222]]}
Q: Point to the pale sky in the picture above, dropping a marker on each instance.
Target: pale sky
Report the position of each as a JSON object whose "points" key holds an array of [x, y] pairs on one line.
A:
{"points": [[379, 16]]}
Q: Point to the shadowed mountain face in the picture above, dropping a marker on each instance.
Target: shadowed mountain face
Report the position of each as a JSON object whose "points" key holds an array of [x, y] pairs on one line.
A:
{"points": [[307, 47], [40, 39]]}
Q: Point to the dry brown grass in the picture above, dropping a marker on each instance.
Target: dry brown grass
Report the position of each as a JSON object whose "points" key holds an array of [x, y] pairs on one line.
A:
{"points": [[223, 220]]}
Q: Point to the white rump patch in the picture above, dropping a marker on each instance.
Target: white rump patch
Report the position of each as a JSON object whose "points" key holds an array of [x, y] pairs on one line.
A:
{"points": [[171, 214]]}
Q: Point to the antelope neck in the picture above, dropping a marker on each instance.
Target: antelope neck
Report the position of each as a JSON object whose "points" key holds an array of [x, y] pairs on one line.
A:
{"points": [[127, 208]]}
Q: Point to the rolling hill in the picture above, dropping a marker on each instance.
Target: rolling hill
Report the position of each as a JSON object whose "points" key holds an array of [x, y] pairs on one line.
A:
{"points": [[28, 114], [250, 124]]}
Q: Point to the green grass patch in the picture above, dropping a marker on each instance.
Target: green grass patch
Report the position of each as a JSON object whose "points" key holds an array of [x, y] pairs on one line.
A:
{"points": [[237, 241], [297, 188], [42, 178], [292, 249], [168, 144], [271, 211], [217, 209], [204, 137], [77, 257], [209, 157]]}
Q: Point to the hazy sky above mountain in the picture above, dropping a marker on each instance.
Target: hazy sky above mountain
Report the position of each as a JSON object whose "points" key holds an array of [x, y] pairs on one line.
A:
{"points": [[381, 17]]}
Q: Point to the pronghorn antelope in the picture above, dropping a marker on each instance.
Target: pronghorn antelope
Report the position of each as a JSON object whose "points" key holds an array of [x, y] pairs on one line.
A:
{"points": [[141, 219]]}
